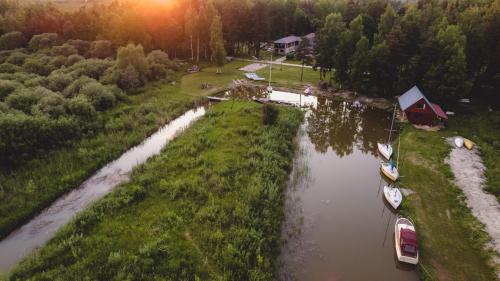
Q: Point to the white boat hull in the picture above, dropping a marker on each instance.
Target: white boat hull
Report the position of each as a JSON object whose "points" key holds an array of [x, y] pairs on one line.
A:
{"points": [[397, 230], [391, 173], [459, 142], [385, 150], [393, 196]]}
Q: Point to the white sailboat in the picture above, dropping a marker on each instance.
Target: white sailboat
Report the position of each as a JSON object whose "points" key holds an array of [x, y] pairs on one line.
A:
{"points": [[393, 195], [385, 148], [405, 241], [389, 169]]}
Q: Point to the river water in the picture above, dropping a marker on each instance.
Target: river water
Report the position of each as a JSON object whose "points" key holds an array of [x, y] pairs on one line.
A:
{"points": [[43, 227], [338, 226]]}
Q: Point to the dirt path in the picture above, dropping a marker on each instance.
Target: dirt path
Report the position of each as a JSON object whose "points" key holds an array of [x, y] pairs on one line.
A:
{"points": [[468, 168]]}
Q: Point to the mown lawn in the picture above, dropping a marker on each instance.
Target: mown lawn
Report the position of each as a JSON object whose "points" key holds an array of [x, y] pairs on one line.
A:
{"points": [[289, 76], [451, 239], [191, 83], [209, 207], [31, 186]]}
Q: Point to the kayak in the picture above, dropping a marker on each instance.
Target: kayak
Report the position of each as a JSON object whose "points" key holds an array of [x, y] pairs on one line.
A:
{"points": [[469, 144]]}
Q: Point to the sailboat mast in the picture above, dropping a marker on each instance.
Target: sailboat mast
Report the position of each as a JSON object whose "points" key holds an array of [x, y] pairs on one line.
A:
{"points": [[399, 145], [392, 124]]}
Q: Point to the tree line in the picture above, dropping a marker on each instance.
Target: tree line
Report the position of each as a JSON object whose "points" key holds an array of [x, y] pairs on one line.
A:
{"points": [[448, 48]]}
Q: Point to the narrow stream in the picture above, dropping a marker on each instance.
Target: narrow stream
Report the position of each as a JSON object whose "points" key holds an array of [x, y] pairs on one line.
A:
{"points": [[43, 227], [338, 226]]}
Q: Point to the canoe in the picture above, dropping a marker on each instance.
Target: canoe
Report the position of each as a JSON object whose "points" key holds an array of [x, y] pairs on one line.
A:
{"points": [[459, 142], [393, 196], [391, 173], [385, 149], [469, 144], [405, 241]]}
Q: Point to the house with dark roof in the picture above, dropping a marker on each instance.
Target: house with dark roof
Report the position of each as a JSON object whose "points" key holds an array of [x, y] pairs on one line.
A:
{"points": [[289, 44], [419, 110]]}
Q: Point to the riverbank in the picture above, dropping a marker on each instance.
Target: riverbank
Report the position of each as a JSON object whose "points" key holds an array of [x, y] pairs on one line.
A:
{"points": [[452, 241], [31, 187], [209, 207]]}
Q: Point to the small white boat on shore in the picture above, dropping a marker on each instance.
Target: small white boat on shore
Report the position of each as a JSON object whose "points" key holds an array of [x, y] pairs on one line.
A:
{"points": [[405, 241], [385, 149], [393, 195], [390, 171], [459, 142]]}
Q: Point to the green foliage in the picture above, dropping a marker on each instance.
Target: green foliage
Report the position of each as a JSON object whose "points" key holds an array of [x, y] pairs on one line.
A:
{"points": [[82, 46], [9, 68], [129, 78], [71, 60], [74, 88], [217, 42], [57, 82], [17, 58], [93, 68], [23, 99], [7, 87], [37, 66], [269, 114], [159, 65], [212, 217], [101, 49], [100, 96], [12, 40], [133, 55], [44, 41]]}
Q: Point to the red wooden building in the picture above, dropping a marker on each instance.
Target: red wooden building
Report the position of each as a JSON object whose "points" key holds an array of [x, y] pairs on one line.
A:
{"points": [[419, 110]]}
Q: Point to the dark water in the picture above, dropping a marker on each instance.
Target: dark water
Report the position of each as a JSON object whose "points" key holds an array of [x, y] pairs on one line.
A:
{"points": [[42, 228], [338, 226]]}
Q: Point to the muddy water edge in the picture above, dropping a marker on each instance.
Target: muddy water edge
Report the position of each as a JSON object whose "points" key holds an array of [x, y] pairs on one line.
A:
{"points": [[338, 226], [43, 227]]}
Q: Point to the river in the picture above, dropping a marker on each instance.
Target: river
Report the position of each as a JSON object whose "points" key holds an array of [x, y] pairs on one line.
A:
{"points": [[338, 226], [44, 226]]}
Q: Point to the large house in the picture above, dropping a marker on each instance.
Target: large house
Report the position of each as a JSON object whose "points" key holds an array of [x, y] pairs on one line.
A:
{"points": [[419, 110], [289, 44]]}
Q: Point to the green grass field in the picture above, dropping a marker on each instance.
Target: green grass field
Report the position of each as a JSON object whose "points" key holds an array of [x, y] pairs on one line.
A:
{"points": [[28, 188], [451, 240], [209, 207]]}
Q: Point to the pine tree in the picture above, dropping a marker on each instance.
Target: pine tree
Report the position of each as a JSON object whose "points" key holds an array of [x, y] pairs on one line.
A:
{"points": [[304, 54], [217, 43]]}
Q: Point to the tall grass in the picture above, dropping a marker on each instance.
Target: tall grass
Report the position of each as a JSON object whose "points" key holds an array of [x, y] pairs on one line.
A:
{"points": [[209, 207], [30, 187]]}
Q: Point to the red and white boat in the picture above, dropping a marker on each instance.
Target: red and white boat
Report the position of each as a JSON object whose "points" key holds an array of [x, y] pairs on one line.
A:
{"points": [[406, 241]]}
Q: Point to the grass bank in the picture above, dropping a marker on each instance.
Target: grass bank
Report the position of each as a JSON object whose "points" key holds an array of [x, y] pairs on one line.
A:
{"points": [[451, 239], [30, 187], [283, 76], [209, 207]]}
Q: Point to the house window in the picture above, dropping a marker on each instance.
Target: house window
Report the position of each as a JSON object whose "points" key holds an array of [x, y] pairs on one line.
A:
{"points": [[421, 106]]}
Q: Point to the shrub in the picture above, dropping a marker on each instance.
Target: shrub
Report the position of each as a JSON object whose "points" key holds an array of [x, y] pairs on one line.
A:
{"points": [[44, 41], [93, 68], [100, 96], [64, 50], [80, 106], [35, 65], [130, 79], [12, 40], [22, 100], [9, 68], [269, 114], [51, 105], [81, 46], [36, 81], [74, 88], [57, 62], [17, 58], [7, 87], [101, 49], [58, 82], [133, 55], [73, 59]]}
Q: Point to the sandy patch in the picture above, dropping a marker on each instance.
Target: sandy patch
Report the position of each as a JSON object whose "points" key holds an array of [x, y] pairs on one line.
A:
{"points": [[253, 67], [468, 168]]}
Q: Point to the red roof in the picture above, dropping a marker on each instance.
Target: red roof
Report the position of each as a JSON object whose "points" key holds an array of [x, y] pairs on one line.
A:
{"points": [[439, 111]]}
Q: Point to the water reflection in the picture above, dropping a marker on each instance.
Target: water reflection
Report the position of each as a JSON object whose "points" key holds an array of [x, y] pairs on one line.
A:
{"points": [[343, 127]]}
